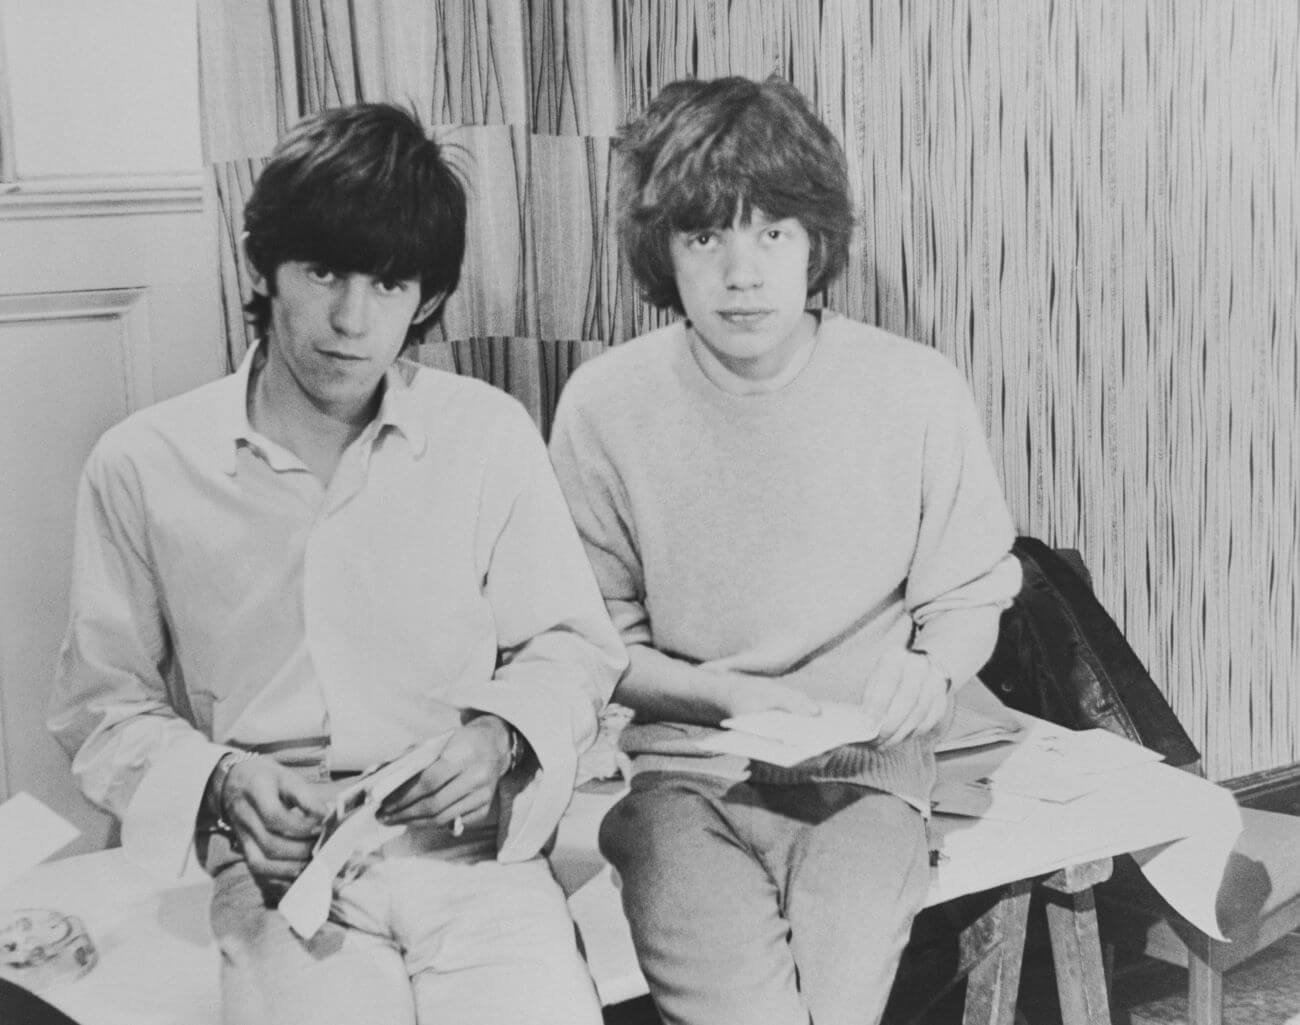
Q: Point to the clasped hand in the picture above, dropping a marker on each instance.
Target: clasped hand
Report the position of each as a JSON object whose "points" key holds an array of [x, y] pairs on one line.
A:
{"points": [[906, 694], [277, 815]]}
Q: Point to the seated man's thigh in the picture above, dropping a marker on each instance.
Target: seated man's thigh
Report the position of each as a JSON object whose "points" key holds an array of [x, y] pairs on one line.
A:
{"points": [[271, 977], [857, 878], [705, 913], [487, 942]]}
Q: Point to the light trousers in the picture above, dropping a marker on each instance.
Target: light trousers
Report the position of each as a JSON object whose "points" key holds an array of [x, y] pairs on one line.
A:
{"points": [[452, 939], [755, 904]]}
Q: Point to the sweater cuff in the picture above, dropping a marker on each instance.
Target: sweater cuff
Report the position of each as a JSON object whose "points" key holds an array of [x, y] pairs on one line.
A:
{"points": [[531, 807], [959, 641]]}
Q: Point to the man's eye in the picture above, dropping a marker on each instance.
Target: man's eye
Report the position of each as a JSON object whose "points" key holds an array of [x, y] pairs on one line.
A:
{"points": [[775, 233], [392, 286], [322, 274], [701, 239]]}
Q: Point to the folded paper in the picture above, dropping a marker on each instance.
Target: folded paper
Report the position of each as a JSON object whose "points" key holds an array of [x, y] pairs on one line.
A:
{"points": [[352, 831]]}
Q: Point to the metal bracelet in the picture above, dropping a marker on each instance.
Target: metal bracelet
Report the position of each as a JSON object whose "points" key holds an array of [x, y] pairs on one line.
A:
{"points": [[217, 785], [518, 749]]}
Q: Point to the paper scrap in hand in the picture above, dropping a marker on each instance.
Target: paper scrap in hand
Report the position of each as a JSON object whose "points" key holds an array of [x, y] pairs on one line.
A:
{"points": [[29, 833], [350, 831], [785, 739]]}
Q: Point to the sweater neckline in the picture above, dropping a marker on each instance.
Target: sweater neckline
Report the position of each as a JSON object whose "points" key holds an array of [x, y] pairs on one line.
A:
{"points": [[693, 376]]}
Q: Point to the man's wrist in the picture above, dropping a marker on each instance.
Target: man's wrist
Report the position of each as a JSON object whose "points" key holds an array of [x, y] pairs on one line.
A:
{"points": [[937, 668], [516, 745], [214, 795]]}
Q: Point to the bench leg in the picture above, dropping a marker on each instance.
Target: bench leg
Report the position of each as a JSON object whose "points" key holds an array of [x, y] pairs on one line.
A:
{"points": [[1204, 984], [1076, 946], [994, 983]]}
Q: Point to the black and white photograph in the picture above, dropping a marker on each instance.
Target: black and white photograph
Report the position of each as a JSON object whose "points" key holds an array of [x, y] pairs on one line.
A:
{"points": [[649, 512]]}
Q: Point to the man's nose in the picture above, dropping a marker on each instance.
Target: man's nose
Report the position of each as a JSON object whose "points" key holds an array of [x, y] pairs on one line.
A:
{"points": [[350, 311], [743, 267]]}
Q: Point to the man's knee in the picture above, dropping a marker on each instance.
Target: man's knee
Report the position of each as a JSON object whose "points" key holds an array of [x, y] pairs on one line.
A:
{"points": [[656, 824], [248, 933]]}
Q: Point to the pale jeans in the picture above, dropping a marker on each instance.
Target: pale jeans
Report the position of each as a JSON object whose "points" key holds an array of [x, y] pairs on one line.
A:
{"points": [[756, 904], [454, 937]]}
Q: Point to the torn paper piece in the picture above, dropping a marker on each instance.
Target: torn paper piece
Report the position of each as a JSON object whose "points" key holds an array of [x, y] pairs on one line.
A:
{"points": [[351, 831]]}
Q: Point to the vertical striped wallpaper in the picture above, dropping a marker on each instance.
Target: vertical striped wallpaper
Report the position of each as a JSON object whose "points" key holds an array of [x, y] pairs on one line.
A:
{"points": [[1092, 206], [8, 172]]}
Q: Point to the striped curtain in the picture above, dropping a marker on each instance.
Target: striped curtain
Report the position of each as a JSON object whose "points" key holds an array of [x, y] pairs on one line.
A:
{"points": [[1092, 206], [524, 95], [8, 172]]}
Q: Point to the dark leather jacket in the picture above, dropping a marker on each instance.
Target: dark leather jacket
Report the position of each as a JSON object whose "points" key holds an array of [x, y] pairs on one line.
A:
{"points": [[1061, 657]]}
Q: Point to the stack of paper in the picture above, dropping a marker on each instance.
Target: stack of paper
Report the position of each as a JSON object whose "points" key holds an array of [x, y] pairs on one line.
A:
{"points": [[1048, 763], [784, 738], [970, 728]]}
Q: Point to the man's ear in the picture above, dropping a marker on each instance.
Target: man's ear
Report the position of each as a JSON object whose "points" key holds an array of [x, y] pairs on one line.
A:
{"points": [[260, 285], [428, 308]]}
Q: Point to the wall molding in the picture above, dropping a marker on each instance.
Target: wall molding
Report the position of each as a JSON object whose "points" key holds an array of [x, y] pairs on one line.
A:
{"points": [[109, 196], [130, 306]]}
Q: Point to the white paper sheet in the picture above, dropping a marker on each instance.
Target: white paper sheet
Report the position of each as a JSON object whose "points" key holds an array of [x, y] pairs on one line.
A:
{"points": [[970, 728], [1188, 872], [352, 831], [29, 833], [1086, 751], [975, 800], [1051, 763], [784, 738]]}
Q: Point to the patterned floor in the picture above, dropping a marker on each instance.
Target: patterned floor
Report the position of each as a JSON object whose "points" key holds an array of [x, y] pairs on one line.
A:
{"points": [[1262, 991]]}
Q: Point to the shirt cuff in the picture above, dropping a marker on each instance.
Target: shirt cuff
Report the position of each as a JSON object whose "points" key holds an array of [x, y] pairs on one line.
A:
{"points": [[158, 827], [531, 808]]}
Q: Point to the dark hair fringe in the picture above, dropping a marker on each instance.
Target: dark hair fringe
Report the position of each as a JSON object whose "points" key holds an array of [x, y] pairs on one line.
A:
{"points": [[359, 189], [704, 150]]}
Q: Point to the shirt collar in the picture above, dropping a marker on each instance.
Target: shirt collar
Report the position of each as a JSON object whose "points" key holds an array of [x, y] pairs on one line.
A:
{"points": [[397, 409]]}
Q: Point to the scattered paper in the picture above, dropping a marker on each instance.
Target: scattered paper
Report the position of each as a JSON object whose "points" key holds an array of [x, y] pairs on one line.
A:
{"points": [[1088, 751], [29, 833], [970, 728], [1051, 763], [351, 831], [1042, 783], [1189, 872], [975, 800], [785, 739]]}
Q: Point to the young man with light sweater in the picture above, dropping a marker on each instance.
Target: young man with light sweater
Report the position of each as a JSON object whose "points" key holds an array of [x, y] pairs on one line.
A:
{"points": [[783, 507]]}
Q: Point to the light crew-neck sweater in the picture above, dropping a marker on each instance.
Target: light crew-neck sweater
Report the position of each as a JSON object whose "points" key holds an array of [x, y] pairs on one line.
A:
{"points": [[794, 534]]}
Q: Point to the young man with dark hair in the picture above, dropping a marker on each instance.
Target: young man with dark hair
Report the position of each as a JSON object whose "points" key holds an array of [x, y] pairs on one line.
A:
{"points": [[291, 574], [783, 508]]}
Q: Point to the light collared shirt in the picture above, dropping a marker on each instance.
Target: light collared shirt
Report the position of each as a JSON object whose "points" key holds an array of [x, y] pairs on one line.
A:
{"points": [[224, 598]]}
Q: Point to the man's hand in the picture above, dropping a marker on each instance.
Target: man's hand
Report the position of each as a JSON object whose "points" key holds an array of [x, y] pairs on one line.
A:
{"points": [[460, 784], [276, 816], [907, 694], [756, 694]]}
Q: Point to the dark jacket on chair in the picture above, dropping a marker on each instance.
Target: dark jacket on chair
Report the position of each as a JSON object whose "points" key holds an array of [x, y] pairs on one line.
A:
{"points": [[1061, 657]]}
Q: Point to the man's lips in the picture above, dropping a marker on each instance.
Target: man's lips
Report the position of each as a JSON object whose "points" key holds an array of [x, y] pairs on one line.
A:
{"points": [[744, 317]]}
